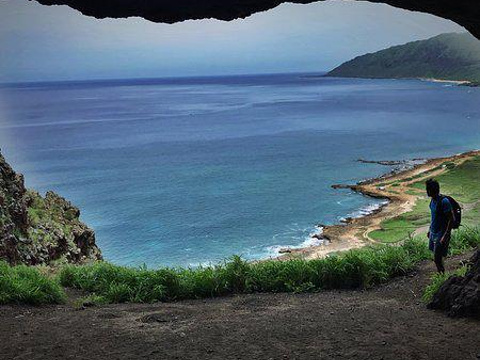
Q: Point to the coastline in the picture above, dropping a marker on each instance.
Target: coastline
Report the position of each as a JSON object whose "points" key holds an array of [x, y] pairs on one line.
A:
{"points": [[455, 82], [353, 232], [469, 83]]}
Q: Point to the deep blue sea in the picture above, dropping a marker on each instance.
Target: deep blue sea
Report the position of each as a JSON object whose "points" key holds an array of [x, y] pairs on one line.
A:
{"points": [[190, 171]]}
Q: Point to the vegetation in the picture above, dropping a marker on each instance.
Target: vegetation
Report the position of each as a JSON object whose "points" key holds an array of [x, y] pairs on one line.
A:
{"points": [[401, 227], [104, 283], [27, 285], [447, 56], [461, 182], [54, 231], [359, 268], [437, 281], [108, 283]]}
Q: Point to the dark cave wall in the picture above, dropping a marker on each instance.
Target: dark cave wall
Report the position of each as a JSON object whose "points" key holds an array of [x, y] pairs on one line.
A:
{"points": [[463, 12]]}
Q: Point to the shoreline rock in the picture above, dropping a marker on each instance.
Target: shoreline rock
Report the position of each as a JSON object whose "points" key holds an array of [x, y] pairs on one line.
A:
{"points": [[39, 230]]}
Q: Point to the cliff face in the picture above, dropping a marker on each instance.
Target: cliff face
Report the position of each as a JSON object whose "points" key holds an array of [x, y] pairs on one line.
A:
{"points": [[38, 230]]}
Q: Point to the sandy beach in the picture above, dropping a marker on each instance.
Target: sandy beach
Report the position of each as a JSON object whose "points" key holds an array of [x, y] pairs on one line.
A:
{"points": [[393, 186], [455, 82]]}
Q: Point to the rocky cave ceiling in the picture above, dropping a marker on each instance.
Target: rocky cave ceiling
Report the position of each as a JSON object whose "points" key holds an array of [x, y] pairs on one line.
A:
{"points": [[463, 12]]}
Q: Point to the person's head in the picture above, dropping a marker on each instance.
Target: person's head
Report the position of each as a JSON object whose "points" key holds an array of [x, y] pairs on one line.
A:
{"points": [[433, 188]]}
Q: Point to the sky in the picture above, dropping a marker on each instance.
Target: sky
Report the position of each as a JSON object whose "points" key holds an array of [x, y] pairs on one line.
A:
{"points": [[41, 43]]}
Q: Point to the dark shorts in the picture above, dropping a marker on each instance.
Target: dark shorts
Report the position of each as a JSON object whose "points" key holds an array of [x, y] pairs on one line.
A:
{"points": [[438, 248]]}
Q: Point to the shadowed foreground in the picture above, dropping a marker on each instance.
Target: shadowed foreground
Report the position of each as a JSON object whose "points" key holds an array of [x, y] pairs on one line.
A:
{"points": [[387, 322]]}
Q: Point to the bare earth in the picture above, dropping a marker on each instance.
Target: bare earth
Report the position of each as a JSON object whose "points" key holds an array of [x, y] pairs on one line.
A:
{"points": [[354, 233], [387, 322]]}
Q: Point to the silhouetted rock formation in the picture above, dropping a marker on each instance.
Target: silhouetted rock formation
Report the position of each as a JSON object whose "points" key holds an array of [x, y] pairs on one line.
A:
{"points": [[36, 230], [460, 295], [464, 12]]}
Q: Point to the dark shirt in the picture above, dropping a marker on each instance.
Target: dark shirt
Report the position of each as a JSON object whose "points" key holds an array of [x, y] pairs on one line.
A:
{"points": [[438, 225]]}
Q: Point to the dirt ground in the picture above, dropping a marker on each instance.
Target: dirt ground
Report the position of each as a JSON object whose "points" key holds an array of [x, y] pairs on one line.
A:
{"points": [[387, 322]]}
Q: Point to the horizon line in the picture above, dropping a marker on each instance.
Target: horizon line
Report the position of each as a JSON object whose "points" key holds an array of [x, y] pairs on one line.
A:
{"points": [[179, 77]]}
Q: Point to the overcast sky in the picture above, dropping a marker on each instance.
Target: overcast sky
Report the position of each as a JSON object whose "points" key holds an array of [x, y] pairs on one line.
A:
{"points": [[57, 43]]}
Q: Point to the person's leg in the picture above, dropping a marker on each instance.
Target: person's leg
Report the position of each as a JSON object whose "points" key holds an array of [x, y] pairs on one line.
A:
{"points": [[438, 256]]}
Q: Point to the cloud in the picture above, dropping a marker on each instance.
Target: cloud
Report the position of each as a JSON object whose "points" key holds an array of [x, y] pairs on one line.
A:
{"points": [[57, 43]]}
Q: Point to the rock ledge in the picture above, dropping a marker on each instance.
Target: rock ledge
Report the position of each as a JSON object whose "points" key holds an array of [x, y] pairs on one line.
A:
{"points": [[39, 230]]}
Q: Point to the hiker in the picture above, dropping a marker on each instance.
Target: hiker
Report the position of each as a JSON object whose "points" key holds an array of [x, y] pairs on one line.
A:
{"points": [[441, 224]]}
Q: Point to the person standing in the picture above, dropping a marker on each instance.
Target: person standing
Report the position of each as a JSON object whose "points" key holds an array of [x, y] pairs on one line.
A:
{"points": [[441, 223]]}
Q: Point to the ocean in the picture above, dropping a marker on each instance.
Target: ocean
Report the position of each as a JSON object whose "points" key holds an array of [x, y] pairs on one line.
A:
{"points": [[189, 171]]}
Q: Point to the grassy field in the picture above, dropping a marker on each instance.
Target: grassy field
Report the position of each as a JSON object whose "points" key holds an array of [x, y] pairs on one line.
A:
{"points": [[461, 182], [401, 227]]}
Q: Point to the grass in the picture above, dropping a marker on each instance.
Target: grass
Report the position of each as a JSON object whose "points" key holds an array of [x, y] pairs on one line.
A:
{"points": [[437, 280], [461, 182], [354, 269], [401, 227], [27, 285], [106, 283], [360, 268]]}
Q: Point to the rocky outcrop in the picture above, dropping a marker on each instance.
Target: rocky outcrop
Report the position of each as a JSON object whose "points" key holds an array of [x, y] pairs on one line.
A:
{"points": [[459, 296], [38, 230], [464, 12]]}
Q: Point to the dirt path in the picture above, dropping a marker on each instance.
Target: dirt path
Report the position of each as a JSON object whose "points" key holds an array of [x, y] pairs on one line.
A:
{"points": [[421, 230], [387, 322]]}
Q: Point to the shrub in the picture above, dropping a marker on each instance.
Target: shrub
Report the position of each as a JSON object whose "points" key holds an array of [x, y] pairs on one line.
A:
{"points": [[464, 239], [359, 268], [26, 285], [437, 281], [108, 283]]}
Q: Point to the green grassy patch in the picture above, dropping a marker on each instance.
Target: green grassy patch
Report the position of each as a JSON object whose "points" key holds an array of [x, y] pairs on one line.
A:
{"points": [[360, 268], [437, 280], [413, 192], [401, 227], [107, 283], [472, 217], [461, 182], [353, 269], [27, 285]]}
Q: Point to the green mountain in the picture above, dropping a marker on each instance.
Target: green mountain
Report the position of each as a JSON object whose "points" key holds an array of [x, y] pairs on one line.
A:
{"points": [[453, 56]]}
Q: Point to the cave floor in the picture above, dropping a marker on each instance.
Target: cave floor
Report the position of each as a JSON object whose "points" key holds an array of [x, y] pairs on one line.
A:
{"points": [[386, 322]]}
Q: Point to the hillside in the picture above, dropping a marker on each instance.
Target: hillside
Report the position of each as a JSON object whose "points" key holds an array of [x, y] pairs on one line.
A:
{"points": [[38, 230], [450, 56]]}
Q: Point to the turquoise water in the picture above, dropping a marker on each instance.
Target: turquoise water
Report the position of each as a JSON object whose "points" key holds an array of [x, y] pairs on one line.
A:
{"points": [[191, 171]]}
